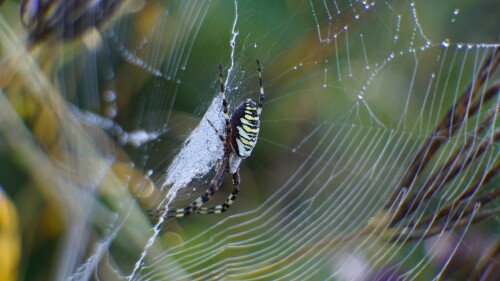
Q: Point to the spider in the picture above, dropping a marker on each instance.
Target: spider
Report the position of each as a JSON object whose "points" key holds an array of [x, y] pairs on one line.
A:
{"points": [[241, 134]]}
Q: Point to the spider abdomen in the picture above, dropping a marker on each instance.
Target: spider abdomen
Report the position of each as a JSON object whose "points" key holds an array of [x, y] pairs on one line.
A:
{"points": [[245, 125]]}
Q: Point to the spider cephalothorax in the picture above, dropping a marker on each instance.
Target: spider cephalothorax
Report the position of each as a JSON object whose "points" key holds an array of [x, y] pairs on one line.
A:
{"points": [[239, 139]]}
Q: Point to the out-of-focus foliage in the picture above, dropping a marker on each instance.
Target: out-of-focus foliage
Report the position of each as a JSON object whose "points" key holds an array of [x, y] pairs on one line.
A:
{"points": [[10, 245]]}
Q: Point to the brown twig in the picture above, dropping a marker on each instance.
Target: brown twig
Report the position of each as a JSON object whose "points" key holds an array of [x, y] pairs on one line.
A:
{"points": [[488, 266], [448, 126], [440, 178], [461, 157], [466, 216]]}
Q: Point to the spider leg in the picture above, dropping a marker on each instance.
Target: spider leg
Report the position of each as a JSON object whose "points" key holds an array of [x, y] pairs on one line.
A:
{"points": [[227, 141], [261, 97], [221, 137], [224, 103], [229, 201], [196, 204]]}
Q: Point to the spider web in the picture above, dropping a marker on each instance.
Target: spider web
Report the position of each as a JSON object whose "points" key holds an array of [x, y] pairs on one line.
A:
{"points": [[377, 158]]}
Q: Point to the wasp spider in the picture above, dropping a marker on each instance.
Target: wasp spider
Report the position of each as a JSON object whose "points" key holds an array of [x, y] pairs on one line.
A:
{"points": [[242, 132]]}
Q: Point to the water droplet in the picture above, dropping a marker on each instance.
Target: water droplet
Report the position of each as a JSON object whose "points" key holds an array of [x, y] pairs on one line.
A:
{"points": [[445, 43], [110, 112], [109, 96]]}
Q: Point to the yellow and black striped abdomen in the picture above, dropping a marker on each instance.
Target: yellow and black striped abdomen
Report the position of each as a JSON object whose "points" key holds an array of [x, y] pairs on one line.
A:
{"points": [[245, 125]]}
